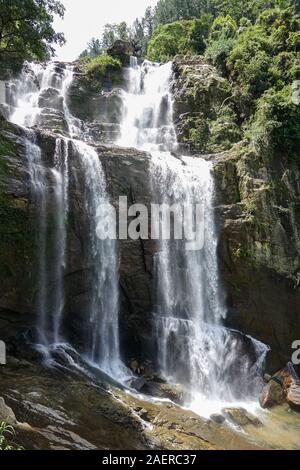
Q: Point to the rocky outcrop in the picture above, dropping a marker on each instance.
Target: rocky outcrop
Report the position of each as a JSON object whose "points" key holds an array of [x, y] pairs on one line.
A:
{"points": [[6, 414], [17, 239], [104, 106], [282, 387], [205, 117], [127, 175], [122, 50], [259, 247], [71, 412]]}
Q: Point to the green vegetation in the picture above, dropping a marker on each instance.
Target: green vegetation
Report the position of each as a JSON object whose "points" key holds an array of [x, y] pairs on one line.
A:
{"points": [[94, 70], [215, 133], [276, 123], [26, 32], [7, 433], [180, 37]]}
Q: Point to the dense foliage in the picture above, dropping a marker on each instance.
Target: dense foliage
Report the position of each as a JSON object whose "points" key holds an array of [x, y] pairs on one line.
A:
{"points": [[94, 70], [26, 32], [180, 37]]}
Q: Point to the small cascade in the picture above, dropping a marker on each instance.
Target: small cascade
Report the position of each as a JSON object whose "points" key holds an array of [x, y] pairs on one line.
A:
{"points": [[193, 347]]}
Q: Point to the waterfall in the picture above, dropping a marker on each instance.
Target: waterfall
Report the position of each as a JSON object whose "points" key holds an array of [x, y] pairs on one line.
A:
{"points": [[193, 347], [60, 173], [38, 195], [103, 343], [49, 190], [39, 98]]}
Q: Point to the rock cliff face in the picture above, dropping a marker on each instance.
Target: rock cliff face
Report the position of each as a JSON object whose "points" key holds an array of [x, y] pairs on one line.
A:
{"points": [[257, 199], [259, 247]]}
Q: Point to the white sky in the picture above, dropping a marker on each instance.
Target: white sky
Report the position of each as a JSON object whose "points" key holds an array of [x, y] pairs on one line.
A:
{"points": [[85, 19]]}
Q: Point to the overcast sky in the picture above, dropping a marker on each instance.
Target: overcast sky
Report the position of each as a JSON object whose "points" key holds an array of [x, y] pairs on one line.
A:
{"points": [[84, 19]]}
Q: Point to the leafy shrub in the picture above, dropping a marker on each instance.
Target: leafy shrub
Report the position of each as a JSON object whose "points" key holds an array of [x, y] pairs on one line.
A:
{"points": [[221, 41], [276, 124], [94, 70]]}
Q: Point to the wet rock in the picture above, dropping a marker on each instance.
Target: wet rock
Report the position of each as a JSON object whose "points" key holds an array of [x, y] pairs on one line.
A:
{"points": [[105, 107], [6, 414], [50, 118], [100, 132], [138, 383], [51, 98], [161, 389], [241, 417], [136, 367], [271, 395], [217, 418], [293, 396]]}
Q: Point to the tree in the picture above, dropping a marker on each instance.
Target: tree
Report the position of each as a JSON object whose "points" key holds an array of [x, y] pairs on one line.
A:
{"points": [[250, 9], [148, 22], [179, 37], [26, 32], [168, 11], [221, 41], [265, 55], [142, 31], [276, 124], [94, 47], [114, 32]]}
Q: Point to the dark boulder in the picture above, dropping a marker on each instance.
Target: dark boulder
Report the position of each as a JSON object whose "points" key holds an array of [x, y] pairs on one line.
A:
{"points": [[122, 50]]}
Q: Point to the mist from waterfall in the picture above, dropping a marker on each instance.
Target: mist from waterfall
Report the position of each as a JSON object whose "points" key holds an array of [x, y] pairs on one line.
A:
{"points": [[29, 98], [192, 346]]}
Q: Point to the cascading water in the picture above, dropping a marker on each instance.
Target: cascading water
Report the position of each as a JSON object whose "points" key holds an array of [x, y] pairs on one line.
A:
{"points": [[103, 343], [50, 188], [193, 347], [38, 194], [60, 174], [38, 98]]}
